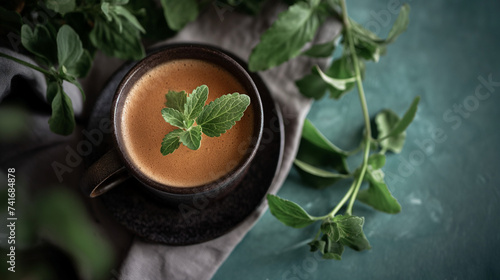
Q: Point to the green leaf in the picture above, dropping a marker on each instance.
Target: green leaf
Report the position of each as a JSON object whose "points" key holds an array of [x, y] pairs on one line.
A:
{"points": [[53, 88], [317, 245], [119, 2], [191, 138], [408, 117], [315, 176], [61, 6], [176, 100], [318, 151], [73, 231], [40, 42], [195, 102], [351, 232], [288, 212], [171, 142], [376, 161], [286, 37], [69, 46], [312, 86], [368, 45], [107, 37], [121, 11], [378, 195], [70, 78], [312, 134], [331, 229], [321, 50], [343, 68], [107, 13], [362, 33], [386, 120], [82, 66], [332, 249], [369, 50], [117, 13], [179, 13], [400, 25], [222, 113], [358, 242], [62, 120], [173, 117], [338, 84], [348, 225]]}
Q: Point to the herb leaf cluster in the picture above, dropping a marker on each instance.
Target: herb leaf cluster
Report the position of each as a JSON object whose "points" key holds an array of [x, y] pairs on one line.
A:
{"points": [[212, 119], [319, 162], [64, 45]]}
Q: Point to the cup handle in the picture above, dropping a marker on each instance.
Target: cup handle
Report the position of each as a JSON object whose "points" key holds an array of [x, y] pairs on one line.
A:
{"points": [[104, 174]]}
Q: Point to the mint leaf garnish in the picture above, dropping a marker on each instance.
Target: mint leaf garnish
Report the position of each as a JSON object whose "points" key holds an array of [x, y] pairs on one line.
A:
{"points": [[176, 100], [222, 113], [192, 138], [212, 120], [173, 117], [195, 102], [171, 141]]}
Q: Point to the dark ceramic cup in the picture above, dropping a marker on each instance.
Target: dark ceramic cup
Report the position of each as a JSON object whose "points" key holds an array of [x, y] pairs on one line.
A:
{"points": [[116, 165]]}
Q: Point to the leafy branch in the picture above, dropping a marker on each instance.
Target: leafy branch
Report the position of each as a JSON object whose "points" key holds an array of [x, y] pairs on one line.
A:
{"points": [[318, 158]]}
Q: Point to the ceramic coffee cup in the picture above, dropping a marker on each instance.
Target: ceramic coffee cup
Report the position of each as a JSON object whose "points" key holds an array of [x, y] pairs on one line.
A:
{"points": [[117, 166]]}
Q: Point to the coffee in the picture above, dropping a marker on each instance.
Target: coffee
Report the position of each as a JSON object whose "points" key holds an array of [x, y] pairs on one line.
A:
{"points": [[143, 126]]}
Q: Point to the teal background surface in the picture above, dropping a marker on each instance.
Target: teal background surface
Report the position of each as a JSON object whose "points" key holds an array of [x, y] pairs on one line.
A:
{"points": [[447, 176]]}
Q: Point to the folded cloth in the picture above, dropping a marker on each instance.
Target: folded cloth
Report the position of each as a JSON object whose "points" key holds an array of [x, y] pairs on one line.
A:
{"points": [[35, 154], [239, 34]]}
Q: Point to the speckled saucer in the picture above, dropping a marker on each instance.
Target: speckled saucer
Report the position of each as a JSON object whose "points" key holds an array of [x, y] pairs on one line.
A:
{"points": [[155, 221]]}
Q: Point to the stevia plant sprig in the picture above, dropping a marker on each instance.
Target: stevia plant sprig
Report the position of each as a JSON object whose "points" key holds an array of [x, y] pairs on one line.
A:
{"points": [[319, 162], [213, 119]]}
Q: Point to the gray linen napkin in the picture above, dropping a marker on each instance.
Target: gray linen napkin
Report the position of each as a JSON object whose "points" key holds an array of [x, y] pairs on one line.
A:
{"points": [[239, 34]]}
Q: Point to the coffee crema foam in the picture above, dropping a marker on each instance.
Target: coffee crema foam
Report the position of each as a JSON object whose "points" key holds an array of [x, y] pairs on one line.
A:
{"points": [[143, 127]]}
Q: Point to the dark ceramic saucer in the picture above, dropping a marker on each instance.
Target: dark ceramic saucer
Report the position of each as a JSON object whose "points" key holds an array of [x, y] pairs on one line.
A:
{"points": [[155, 221]]}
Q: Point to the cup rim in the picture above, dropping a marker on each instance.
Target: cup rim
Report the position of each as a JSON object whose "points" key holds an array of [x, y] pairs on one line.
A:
{"points": [[179, 51]]}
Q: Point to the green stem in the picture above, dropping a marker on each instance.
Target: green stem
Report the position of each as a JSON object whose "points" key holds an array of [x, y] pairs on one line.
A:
{"points": [[22, 62], [364, 107], [317, 234], [382, 138], [339, 205], [343, 201]]}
